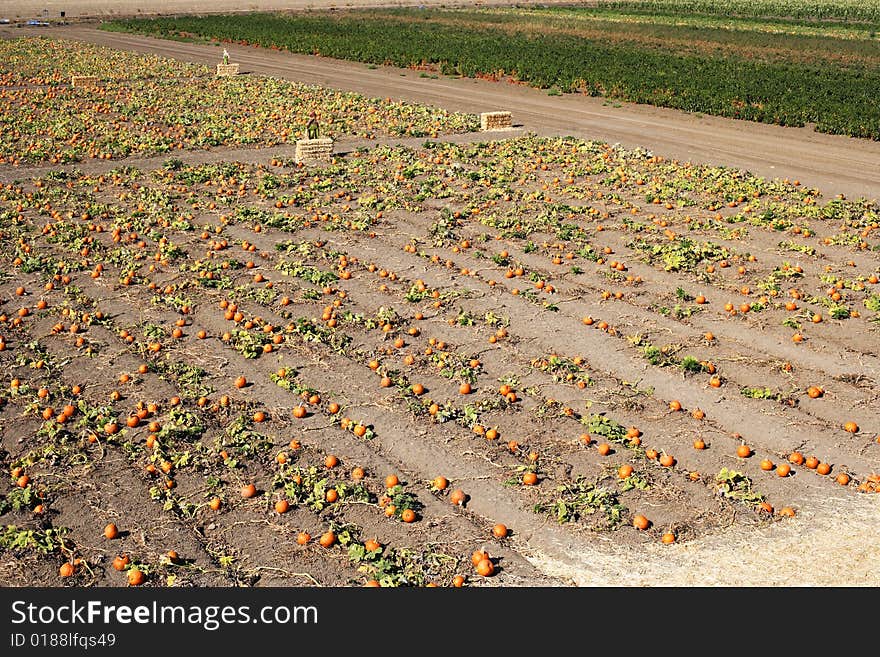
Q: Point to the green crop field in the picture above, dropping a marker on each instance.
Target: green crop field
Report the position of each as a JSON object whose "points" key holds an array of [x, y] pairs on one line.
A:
{"points": [[724, 60], [848, 10]]}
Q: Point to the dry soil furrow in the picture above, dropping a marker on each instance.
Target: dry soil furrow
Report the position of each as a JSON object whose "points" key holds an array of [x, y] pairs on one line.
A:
{"points": [[609, 354]]}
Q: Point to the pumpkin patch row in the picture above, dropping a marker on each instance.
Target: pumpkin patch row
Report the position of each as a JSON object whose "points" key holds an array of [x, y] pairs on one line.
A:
{"points": [[157, 106]]}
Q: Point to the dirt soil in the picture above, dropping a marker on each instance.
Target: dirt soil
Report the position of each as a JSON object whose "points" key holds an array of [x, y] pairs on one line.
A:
{"points": [[78, 9], [836, 164], [831, 541]]}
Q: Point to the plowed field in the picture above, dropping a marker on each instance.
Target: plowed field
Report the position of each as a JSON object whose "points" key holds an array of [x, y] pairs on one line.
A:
{"points": [[649, 371]]}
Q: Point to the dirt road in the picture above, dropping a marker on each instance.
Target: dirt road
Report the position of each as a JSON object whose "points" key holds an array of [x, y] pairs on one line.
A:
{"points": [[51, 9], [834, 164]]}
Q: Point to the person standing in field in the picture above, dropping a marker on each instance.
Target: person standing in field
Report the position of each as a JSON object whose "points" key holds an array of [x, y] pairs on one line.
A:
{"points": [[312, 126], [225, 57]]}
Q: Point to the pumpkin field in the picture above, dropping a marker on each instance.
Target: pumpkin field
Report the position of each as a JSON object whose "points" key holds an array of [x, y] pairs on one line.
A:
{"points": [[446, 358]]}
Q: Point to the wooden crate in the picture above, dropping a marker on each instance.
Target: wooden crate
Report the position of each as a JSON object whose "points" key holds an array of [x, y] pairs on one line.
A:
{"points": [[495, 121], [84, 81], [227, 69], [314, 150]]}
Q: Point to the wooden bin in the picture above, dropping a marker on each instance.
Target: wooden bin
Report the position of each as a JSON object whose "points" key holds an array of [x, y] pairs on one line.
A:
{"points": [[224, 70], [495, 121], [314, 150], [84, 81]]}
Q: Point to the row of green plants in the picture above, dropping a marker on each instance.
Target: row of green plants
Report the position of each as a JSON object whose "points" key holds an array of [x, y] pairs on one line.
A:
{"points": [[841, 10], [758, 37]]}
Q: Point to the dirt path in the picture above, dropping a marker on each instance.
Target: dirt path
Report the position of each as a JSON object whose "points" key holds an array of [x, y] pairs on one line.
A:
{"points": [[834, 164]]}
